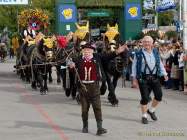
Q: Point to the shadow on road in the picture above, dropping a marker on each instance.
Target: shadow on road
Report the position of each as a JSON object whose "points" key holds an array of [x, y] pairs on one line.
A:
{"points": [[111, 117], [48, 99], [20, 124]]}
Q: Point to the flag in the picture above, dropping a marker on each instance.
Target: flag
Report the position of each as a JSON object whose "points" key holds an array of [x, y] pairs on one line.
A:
{"points": [[148, 4], [164, 5]]}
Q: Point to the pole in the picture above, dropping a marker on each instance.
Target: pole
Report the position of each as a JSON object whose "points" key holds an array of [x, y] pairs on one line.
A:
{"points": [[156, 16], [17, 19], [184, 3], [180, 10], [180, 17], [185, 24]]}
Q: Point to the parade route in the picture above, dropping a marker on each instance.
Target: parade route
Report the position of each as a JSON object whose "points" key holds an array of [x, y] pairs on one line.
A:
{"points": [[27, 115]]}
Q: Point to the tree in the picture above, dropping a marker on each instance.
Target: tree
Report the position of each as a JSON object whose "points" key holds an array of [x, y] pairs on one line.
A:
{"points": [[49, 6], [8, 17], [8, 14], [165, 18], [171, 34]]}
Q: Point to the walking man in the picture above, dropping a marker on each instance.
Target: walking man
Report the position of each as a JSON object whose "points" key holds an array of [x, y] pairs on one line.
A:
{"points": [[91, 72], [147, 69]]}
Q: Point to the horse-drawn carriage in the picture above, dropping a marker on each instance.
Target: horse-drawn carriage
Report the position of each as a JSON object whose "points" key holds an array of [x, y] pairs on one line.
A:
{"points": [[36, 59]]}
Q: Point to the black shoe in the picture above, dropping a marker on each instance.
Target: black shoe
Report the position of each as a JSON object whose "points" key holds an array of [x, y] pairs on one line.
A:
{"points": [[144, 120], [101, 131], [153, 116], [85, 130]]}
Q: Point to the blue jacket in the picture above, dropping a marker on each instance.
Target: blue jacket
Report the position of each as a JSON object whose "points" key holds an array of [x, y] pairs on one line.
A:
{"points": [[139, 56]]}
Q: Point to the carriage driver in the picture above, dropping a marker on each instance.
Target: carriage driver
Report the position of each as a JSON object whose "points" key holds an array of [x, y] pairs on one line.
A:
{"points": [[146, 71], [90, 71], [29, 32]]}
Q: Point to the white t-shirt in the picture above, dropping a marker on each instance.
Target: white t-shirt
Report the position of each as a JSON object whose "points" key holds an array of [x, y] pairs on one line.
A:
{"points": [[30, 32]]}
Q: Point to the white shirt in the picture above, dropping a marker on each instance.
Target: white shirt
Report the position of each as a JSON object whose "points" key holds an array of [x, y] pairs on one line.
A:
{"points": [[33, 33], [181, 61]]}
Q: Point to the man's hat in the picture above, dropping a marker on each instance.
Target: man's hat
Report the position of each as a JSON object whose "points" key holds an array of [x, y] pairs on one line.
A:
{"points": [[85, 44]]}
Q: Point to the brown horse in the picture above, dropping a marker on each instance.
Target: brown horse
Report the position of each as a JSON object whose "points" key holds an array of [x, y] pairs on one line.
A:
{"points": [[113, 69], [3, 52], [68, 75]]}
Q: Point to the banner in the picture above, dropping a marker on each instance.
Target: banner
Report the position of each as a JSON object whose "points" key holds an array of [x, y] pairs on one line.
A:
{"points": [[164, 5], [133, 11], [68, 13], [95, 32], [14, 2]]}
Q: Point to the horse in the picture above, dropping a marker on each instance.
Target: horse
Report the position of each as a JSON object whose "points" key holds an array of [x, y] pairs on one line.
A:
{"points": [[73, 49], [67, 75], [23, 55], [3, 51], [114, 68], [40, 60]]}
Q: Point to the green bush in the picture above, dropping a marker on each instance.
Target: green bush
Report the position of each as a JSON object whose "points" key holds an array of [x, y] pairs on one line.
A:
{"points": [[171, 34], [153, 34]]}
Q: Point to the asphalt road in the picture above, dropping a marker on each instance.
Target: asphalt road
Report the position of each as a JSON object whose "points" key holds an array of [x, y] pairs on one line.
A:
{"points": [[27, 115]]}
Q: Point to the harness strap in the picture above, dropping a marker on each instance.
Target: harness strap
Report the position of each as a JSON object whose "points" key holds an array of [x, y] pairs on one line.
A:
{"points": [[147, 66]]}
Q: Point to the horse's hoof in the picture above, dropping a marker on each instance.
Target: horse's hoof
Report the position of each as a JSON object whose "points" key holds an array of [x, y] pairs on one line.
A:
{"points": [[58, 81], [114, 102], [78, 99], [46, 89], [73, 97], [33, 87], [22, 78], [103, 90], [42, 91], [38, 85], [27, 82], [68, 92], [50, 80], [45, 92]]}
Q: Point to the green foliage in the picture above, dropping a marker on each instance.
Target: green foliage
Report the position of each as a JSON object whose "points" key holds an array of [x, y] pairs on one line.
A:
{"points": [[153, 34], [171, 34], [165, 18], [139, 36], [49, 6], [99, 3], [8, 14], [8, 18]]}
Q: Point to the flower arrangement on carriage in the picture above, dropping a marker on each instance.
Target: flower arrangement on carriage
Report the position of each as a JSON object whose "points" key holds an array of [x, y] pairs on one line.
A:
{"points": [[37, 19]]}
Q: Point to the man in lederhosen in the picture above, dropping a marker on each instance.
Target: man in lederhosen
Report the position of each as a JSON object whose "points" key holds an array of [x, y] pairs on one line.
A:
{"points": [[147, 69], [91, 72]]}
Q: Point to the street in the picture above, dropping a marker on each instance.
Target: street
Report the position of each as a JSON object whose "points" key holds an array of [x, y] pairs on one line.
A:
{"points": [[27, 115]]}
